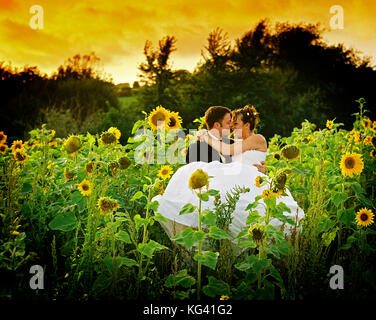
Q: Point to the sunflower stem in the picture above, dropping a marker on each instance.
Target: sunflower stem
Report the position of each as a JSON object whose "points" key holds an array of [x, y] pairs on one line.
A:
{"points": [[199, 250], [144, 237]]}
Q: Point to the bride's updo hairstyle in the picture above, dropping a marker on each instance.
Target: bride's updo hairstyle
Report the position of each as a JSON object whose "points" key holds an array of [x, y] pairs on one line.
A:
{"points": [[249, 115]]}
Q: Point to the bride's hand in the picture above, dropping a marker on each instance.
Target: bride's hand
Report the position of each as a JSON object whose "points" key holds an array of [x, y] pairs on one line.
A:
{"points": [[261, 167]]}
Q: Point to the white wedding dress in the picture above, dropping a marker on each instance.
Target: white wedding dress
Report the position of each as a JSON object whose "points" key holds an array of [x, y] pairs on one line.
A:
{"points": [[240, 172]]}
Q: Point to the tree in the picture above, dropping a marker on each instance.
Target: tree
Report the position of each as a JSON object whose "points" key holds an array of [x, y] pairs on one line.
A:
{"points": [[156, 71], [254, 49], [81, 67], [218, 51]]}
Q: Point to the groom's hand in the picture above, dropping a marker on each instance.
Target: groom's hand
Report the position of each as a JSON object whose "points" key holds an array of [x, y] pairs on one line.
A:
{"points": [[200, 134], [261, 167]]}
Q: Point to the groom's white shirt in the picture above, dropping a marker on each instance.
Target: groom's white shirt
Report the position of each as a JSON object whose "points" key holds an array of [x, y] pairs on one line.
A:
{"points": [[214, 137]]}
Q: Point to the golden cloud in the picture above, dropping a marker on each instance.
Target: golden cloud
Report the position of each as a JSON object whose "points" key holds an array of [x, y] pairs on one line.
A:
{"points": [[117, 30]]}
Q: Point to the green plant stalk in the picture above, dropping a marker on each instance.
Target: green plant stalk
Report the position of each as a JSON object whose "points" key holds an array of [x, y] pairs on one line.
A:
{"points": [[260, 255], [342, 207], [261, 248], [199, 251], [114, 264], [144, 238]]}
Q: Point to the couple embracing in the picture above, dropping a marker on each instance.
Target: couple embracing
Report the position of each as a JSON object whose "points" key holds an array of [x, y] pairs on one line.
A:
{"points": [[230, 163]]}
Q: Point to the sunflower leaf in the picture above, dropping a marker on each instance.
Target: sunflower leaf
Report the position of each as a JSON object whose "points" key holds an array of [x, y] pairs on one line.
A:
{"points": [[207, 258], [338, 198], [217, 233], [216, 287], [189, 237], [64, 222], [138, 195], [346, 216], [188, 208]]}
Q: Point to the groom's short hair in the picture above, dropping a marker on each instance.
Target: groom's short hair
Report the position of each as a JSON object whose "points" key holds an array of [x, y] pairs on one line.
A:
{"points": [[215, 114]]}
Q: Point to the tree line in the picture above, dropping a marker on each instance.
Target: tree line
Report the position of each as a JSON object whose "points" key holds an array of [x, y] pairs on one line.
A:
{"points": [[288, 72]]}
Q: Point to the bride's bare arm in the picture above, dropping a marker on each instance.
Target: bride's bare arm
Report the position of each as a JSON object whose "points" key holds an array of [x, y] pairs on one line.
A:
{"points": [[254, 142]]}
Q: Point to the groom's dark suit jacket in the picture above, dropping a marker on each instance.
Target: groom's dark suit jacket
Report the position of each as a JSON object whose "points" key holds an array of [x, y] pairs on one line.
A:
{"points": [[201, 151]]}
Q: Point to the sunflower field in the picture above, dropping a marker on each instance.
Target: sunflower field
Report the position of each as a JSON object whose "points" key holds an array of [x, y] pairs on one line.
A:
{"points": [[81, 209]]}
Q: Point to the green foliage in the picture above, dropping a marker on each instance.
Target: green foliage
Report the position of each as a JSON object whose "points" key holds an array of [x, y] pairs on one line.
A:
{"points": [[120, 251]]}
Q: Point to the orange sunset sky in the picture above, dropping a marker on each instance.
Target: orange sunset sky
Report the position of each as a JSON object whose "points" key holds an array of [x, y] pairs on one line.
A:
{"points": [[117, 30]]}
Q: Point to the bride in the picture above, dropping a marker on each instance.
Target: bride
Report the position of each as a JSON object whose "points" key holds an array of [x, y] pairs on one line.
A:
{"points": [[240, 172]]}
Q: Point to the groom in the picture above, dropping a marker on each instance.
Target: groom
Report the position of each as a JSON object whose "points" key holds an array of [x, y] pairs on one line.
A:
{"points": [[218, 122]]}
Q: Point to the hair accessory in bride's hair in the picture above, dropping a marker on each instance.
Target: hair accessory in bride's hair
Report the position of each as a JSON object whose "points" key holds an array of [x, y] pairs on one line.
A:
{"points": [[247, 113]]}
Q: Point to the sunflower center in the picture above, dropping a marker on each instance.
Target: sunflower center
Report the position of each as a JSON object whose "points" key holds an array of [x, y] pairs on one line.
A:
{"points": [[364, 217], [349, 163], [165, 171], [20, 156], [257, 234], [85, 187], [172, 122], [158, 118]]}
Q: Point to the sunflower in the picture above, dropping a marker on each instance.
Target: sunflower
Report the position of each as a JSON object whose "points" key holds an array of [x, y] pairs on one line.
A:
{"points": [[17, 145], [84, 187], [108, 138], [278, 192], [198, 179], [72, 144], [68, 175], [258, 233], [20, 156], [267, 194], [374, 142], [280, 180], [175, 121], [364, 217], [368, 124], [258, 181], [224, 298], [3, 137], [310, 138], [158, 116], [115, 131], [357, 138], [290, 152], [124, 162], [89, 167], [107, 204], [329, 124], [3, 148], [368, 140], [53, 143], [351, 163], [157, 187], [372, 153], [114, 166], [165, 172]]}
